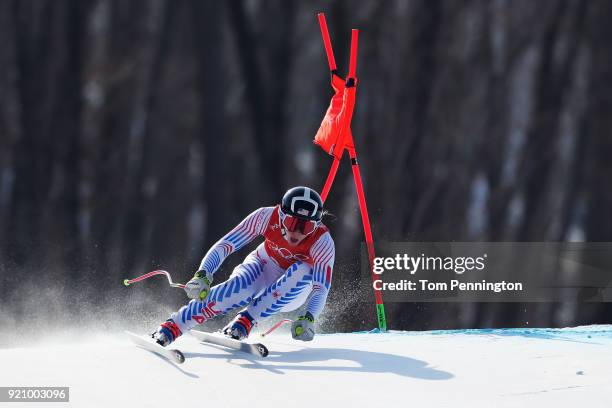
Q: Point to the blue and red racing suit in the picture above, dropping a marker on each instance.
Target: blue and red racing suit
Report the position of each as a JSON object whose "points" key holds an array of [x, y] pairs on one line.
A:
{"points": [[275, 277]]}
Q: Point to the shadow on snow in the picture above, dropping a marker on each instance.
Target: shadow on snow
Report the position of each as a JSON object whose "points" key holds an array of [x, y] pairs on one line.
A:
{"points": [[367, 362]]}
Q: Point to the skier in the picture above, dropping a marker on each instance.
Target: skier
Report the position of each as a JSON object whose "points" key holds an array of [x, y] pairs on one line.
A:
{"points": [[293, 264]]}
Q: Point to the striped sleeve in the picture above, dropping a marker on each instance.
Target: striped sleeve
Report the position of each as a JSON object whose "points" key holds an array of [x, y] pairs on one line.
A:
{"points": [[250, 228], [323, 253]]}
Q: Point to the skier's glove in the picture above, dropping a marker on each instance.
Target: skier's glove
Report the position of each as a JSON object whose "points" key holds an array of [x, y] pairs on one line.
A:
{"points": [[199, 286], [303, 328]]}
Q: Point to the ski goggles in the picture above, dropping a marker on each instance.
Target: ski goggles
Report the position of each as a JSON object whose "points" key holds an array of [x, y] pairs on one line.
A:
{"points": [[295, 224]]}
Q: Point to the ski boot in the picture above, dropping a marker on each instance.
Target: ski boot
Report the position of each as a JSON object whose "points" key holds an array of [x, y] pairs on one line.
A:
{"points": [[240, 327], [166, 333]]}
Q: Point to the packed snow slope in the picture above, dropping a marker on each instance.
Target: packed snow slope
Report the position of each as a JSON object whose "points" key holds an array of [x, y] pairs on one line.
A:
{"points": [[470, 368]]}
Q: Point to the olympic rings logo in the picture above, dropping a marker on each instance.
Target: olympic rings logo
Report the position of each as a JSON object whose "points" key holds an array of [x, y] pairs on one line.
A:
{"points": [[287, 254]]}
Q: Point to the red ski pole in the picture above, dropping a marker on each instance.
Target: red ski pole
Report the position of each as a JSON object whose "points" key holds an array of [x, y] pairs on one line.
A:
{"points": [[276, 326], [128, 282]]}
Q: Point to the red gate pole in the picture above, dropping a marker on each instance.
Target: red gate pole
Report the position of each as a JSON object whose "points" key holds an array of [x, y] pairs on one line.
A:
{"points": [[330, 179], [327, 42], [332, 68], [365, 219], [351, 86], [345, 140]]}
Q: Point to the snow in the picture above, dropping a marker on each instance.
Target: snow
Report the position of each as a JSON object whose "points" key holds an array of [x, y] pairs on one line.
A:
{"points": [[469, 368]]}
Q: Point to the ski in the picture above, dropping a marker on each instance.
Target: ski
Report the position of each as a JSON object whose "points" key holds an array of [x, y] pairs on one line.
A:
{"points": [[149, 344], [257, 349]]}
